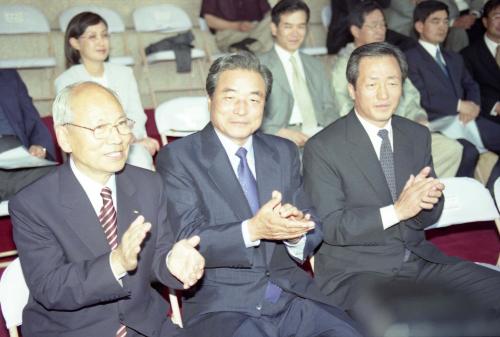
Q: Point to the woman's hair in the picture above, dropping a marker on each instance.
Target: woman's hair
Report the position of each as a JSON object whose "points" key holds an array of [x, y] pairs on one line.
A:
{"points": [[76, 27]]}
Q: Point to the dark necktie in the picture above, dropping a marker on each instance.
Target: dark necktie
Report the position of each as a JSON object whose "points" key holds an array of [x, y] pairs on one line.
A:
{"points": [[440, 61], [247, 181], [107, 218], [387, 162], [249, 185]]}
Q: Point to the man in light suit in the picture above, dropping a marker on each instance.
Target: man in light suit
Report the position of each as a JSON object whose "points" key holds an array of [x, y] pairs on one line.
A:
{"points": [[92, 235], [20, 125], [369, 175], [367, 25], [301, 100], [240, 190], [482, 59], [446, 87]]}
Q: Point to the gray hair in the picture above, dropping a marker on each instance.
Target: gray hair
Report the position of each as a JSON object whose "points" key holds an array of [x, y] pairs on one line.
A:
{"points": [[61, 109], [377, 49], [241, 60]]}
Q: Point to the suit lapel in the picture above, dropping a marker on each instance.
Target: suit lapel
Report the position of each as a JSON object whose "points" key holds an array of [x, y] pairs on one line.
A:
{"points": [[492, 70], [453, 71], [79, 213], [403, 153], [268, 178], [432, 64], [279, 76], [220, 171], [127, 206], [365, 158]]}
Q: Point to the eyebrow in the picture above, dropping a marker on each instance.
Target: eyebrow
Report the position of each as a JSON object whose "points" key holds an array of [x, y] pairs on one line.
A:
{"points": [[256, 92]]}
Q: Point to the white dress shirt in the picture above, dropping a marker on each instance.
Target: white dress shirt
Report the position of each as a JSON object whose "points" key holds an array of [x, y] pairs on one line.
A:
{"points": [[93, 191], [387, 213], [284, 56], [297, 249], [492, 47]]}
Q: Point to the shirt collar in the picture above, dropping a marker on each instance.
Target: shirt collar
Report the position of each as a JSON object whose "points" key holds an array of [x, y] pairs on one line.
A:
{"points": [[285, 55], [91, 187], [491, 45], [429, 47], [231, 147], [373, 130]]}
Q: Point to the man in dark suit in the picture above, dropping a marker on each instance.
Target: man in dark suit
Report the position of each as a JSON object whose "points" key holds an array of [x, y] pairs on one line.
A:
{"points": [[370, 177], [446, 87], [20, 125], [482, 59], [92, 235], [240, 190]]}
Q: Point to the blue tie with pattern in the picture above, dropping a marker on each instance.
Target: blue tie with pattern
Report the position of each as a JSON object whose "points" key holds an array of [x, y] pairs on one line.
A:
{"points": [[387, 162], [247, 181]]}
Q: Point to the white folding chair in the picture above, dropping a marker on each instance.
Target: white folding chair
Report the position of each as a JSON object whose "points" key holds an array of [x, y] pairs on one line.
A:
{"points": [[4, 212], [326, 16], [496, 192], [14, 295], [465, 200], [24, 20], [164, 19], [181, 116], [115, 26]]}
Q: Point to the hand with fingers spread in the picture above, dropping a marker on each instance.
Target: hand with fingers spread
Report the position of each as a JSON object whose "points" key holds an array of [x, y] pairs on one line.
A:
{"points": [[420, 192], [269, 223], [124, 257], [185, 262]]}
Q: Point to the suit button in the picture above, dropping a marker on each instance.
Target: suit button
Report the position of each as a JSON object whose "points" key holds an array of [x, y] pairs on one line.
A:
{"points": [[268, 273], [258, 307]]}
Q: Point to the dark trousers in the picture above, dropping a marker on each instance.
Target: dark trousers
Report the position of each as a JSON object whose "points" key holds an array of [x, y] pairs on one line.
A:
{"points": [[300, 318], [470, 156], [490, 135]]}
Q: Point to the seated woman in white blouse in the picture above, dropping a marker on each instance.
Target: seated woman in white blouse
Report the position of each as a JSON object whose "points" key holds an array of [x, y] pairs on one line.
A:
{"points": [[86, 47]]}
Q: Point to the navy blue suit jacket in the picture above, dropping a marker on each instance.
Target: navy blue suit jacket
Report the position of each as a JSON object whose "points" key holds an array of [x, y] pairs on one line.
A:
{"points": [[439, 94], [65, 257], [22, 114], [483, 67], [205, 198]]}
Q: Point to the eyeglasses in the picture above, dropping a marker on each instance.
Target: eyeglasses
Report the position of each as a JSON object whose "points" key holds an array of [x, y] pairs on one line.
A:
{"points": [[375, 25], [124, 127]]}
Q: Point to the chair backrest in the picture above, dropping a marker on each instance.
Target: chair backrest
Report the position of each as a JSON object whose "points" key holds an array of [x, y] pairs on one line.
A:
{"points": [[22, 19], [326, 16], [4, 208], [14, 294], [161, 18], [465, 200], [112, 18], [182, 116], [203, 25]]}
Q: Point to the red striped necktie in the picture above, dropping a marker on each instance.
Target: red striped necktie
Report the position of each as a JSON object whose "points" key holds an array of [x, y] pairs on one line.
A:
{"points": [[107, 218]]}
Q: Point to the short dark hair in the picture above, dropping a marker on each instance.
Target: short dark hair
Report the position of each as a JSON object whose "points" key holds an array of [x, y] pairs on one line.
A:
{"points": [[76, 27], [358, 14], [425, 9], [240, 60], [489, 7], [288, 6], [376, 49]]}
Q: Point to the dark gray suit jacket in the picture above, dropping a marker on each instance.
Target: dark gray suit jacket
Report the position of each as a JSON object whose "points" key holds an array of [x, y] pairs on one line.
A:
{"points": [[279, 104], [65, 257], [485, 70], [345, 181], [205, 198]]}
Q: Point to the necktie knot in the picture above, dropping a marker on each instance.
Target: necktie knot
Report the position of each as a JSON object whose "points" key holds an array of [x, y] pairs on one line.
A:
{"points": [[242, 153], [106, 193], [383, 133]]}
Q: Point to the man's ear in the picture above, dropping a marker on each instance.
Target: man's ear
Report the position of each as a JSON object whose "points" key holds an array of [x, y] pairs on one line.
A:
{"points": [[354, 31], [63, 138], [419, 27], [274, 29], [352, 91], [485, 22]]}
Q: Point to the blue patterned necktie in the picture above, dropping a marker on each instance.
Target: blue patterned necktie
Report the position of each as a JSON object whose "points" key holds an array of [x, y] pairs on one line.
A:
{"points": [[247, 181], [387, 162], [440, 62]]}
